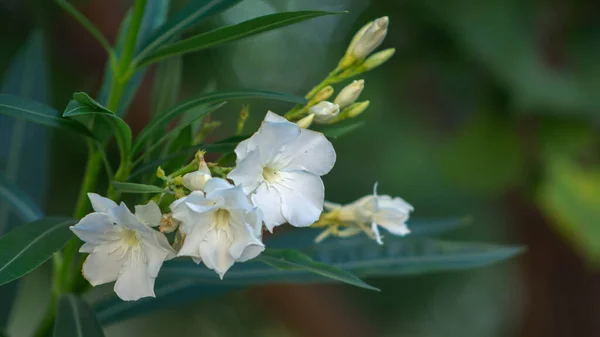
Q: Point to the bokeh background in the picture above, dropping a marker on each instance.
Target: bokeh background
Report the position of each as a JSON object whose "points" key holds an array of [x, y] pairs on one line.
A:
{"points": [[489, 108]]}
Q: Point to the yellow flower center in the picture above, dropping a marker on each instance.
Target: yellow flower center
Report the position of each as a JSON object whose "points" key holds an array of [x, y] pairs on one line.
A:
{"points": [[270, 175], [222, 218]]}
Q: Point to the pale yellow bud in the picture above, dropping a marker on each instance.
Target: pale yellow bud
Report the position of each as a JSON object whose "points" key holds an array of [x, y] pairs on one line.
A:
{"points": [[357, 37], [378, 58], [323, 94], [305, 122], [356, 109], [195, 181], [349, 94], [324, 112], [370, 39], [160, 173]]}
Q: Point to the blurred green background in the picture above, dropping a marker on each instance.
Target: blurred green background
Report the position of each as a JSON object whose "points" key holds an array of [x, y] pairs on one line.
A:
{"points": [[489, 108]]}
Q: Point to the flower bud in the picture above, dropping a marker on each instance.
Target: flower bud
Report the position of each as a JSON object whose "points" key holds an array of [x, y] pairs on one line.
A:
{"points": [[323, 94], [349, 94], [160, 173], [357, 37], [325, 112], [305, 122], [195, 181], [356, 109], [370, 39], [378, 58]]}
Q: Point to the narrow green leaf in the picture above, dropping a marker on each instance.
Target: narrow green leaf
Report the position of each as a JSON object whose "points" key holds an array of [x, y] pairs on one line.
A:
{"points": [[335, 132], [162, 120], [83, 104], [230, 33], [138, 188], [75, 318], [166, 85], [194, 12], [35, 112], [24, 206], [28, 246]]}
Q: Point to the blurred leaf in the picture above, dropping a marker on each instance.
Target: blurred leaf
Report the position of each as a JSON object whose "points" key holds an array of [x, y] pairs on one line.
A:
{"points": [[159, 122], [194, 12], [500, 160], [82, 104], [25, 248], [167, 83], [570, 196], [155, 14], [75, 318], [24, 206], [184, 139], [25, 109], [138, 188], [230, 33], [340, 130]]}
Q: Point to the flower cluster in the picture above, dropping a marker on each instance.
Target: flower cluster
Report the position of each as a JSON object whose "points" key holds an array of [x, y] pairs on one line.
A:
{"points": [[218, 213]]}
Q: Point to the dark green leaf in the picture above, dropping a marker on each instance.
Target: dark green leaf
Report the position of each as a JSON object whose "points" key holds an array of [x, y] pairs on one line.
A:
{"points": [[340, 130], [167, 82], [290, 260], [24, 206], [75, 318], [230, 33], [35, 112], [25, 248], [83, 104], [162, 120], [191, 14], [137, 188]]}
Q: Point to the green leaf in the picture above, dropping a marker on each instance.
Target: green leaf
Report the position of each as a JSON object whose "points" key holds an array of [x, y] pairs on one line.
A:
{"points": [[230, 33], [75, 318], [293, 260], [35, 112], [167, 82], [194, 12], [28, 246], [340, 130], [162, 120], [138, 188], [82, 104], [24, 206]]}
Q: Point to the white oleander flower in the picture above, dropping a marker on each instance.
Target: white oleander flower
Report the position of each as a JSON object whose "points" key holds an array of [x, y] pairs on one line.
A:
{"points": [[195, 181], [324, 112], [280, 168], [123, 247], [349, 94], [220, 227], [369, 38], [377, 211]]}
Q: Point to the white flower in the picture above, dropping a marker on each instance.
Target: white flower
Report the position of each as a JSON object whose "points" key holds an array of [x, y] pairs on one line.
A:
{"points": [[280, 167], [123, 247], [325, 112], [220, 227], [376, 210], [195, 181], [349, 94], [369, 38]]}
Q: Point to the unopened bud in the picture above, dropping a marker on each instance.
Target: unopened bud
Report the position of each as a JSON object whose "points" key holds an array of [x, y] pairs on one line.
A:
{"points": [[168, 224], [355, 109], [370, 39], [178, 180], [325, 112], [378, 58], [160, 173], [305, 122], [195, 181], [349, 94], [323, 94], [357, 37]]}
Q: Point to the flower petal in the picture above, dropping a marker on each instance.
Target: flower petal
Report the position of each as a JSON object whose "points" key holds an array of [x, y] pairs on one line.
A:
{"points": [[392, 220], [94, 228], [268, 200], [101, 267], [376, 234], [245, 245], [101, 204], [122, 216], [216, 184], [148, 214], [272, 137], [134, 282], [215, 252], [275, 118], [302, 195], [311, 152], [248, 172]]}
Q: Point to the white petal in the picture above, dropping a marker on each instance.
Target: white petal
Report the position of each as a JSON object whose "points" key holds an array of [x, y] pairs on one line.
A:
{"points": [[94, 228], [272, 137], [231, 198], [268, 200], [101, 267], [148, 214], [241, 150], [302, 195], [275, 118], [248, 172], [376, 234], [156, 256], [311, 152], [134, 282], [215, 252], [101, 204], [392, 220], [122, 216], [245, 245], [217, 184]]}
